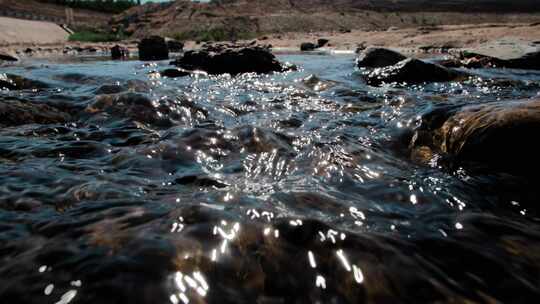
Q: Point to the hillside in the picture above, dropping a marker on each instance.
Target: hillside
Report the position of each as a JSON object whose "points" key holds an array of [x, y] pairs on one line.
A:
{"points": [[239, 19], [34, 10]]}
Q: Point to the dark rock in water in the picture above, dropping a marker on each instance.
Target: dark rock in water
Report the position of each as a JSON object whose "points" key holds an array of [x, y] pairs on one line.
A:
{"points": [[315, 83], [153, 48], [28, 51], [497, 136], [412, 71], [136, 106], [110, 89], [221, 60], [529, 61], [322, 42], [7, 57], [119, 52], [307, 46], [175, 45], [378, 57], [17, 112], [15, 82], [174, 73]]}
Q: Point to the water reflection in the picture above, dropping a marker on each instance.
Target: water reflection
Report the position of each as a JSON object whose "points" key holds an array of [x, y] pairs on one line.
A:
{"points": [[284, 188]]}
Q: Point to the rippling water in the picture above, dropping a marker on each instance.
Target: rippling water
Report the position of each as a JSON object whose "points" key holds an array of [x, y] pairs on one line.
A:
{"points": [[285, 188]]}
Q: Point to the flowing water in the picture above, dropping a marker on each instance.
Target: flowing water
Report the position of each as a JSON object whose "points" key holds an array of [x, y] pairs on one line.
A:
{"points": [[295, 187]]}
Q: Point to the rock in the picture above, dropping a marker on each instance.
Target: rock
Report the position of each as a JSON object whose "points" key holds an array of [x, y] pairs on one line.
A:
{"points": [[322, 42], [175, 45], [7, 57], [138, 107], [378, 57], [220, 60], [498, 135], [16, 112], [530, 61], [471, 60], [315, 83], [412, 71], [153, 48], [119, 52], [307, 46], [15, 82], [174, 73]]}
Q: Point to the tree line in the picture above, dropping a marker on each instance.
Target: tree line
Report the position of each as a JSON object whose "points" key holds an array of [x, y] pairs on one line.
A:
{"points": [[107, 6]]}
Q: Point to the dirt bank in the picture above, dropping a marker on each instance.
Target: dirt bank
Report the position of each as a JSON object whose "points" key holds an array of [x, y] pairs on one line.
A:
{"points": [[19, 32]]}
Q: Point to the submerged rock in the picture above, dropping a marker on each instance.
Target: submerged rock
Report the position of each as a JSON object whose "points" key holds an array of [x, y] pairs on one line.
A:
{"points": [[174, 73], [378, 57], [138, 107], [221, 60], [412, 71], [498, 135], [153, 48], [16, 112], [15, 82], [119, 52]]}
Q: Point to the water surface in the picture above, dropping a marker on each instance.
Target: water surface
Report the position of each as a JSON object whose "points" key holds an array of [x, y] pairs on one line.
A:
{"points": [[286, 188]]}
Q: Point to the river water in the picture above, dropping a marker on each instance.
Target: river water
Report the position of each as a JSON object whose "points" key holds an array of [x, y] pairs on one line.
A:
{"points": [[295, 187]]}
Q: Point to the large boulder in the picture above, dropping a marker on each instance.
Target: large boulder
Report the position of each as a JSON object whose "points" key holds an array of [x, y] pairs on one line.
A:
{"points": [[16, 112], [119, 52], [15, 82], [498, 136], [153, 48], [378, 57], [221, 60], [175, 45], [307, 46], [412, 71], [322, 42]]}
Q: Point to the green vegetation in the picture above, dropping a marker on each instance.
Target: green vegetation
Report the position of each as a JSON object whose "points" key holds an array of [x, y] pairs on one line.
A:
{"points": [[106, 6], [93, 36]]}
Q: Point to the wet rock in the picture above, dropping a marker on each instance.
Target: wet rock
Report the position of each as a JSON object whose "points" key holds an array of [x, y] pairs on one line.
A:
{"points": [[119, 52], [496, 135], [307, 46], [412, 71], [315, 83], [136, 106], [175, 45], [471, 60], [220, 60], [7, 57], [530, 61], [174, 73], [322, 42], [15, 82], [110, 89], [153, 48], [378, 57], [16, 112]]}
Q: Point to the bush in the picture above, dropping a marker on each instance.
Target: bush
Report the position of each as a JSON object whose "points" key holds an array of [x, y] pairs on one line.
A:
{"points": [[91, 36]]}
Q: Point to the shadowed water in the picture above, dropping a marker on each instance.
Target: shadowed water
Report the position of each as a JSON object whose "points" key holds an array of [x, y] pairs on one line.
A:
{"points": [[295, 187]]}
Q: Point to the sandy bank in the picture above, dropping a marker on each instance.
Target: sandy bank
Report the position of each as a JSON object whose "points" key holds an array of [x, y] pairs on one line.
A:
{"points": [[19, 32]]}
